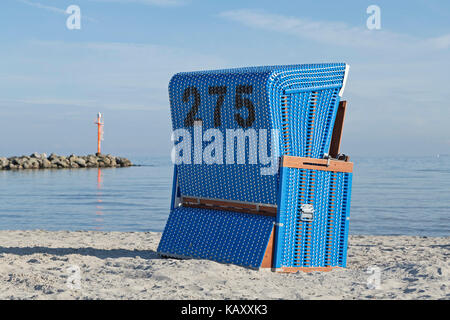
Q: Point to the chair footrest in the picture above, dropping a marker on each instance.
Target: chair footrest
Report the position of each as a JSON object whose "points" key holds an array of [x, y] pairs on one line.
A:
{"points": [[222, 236]]}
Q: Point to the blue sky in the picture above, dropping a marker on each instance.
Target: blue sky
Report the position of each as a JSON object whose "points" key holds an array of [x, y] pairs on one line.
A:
{"points": [[54, 80]]}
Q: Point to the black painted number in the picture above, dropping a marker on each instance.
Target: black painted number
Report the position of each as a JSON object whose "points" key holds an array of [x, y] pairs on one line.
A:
{"points": [[221, 91], [190, 117], [241, 102]]}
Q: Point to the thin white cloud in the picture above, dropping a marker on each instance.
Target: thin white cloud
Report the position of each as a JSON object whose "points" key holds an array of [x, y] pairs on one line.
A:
{"points": [[52, 9], [93, 103], [441, 42], [111, 75], [134, 55], [336, 33], [159, 3], [42, 6]]}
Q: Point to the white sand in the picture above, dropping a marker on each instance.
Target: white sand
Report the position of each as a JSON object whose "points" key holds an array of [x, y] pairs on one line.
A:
{"points": [[119, 265]]}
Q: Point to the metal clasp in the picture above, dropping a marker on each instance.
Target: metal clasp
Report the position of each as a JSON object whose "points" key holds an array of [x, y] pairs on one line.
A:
{"points": [[327, 156], [307, 213]]}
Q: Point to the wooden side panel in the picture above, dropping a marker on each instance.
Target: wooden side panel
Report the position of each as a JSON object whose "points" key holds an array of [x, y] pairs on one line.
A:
{"points": [[262, 209], [337, 130], [317, 164], [268, 255], [202, 206]]}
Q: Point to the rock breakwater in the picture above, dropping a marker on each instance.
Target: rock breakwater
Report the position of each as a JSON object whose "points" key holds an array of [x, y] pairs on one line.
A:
{"points": [[41, 161]]}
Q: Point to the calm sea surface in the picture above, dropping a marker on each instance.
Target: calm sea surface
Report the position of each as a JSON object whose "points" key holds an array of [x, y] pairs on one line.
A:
{"points": [[390, 196]]}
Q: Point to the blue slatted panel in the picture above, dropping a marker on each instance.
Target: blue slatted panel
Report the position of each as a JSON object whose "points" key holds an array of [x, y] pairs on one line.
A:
{"points": [[308, 122], [323, 241], [347, 190], [223, 236]]}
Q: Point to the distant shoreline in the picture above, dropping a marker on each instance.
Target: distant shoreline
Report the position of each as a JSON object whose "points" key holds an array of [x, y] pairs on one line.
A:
{"points": [[38, 161]]}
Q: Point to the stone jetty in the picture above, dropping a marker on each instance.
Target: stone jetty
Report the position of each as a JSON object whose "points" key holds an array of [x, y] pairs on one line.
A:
{"points": [[41, 161]]}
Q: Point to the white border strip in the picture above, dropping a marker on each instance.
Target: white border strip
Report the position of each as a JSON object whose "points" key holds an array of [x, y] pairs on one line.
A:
{"points": [[341, 92]]}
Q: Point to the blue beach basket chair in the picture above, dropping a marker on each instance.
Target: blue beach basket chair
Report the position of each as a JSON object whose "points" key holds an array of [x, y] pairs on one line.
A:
{"points": [[256, 180]]}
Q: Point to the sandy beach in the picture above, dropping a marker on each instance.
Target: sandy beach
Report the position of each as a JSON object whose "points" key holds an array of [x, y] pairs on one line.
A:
{"points": [[122, 265]]}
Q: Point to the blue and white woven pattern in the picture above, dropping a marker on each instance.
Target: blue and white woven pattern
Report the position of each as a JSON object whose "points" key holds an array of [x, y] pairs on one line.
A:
{"points": [[323, 241], [307, 122], [222, 236], [298, 100]]}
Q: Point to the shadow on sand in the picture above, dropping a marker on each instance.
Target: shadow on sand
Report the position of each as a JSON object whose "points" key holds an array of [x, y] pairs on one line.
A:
{"points": [[88, 251]]}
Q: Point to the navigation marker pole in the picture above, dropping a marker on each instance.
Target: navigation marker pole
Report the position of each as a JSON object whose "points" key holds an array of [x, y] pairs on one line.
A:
{"points": [[100, 125]]}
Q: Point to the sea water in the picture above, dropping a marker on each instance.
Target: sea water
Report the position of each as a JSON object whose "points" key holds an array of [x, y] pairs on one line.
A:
{"points": [[390, 196]]}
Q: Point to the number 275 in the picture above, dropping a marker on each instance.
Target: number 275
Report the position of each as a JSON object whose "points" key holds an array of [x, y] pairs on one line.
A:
{"points": [[220, 91]]}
